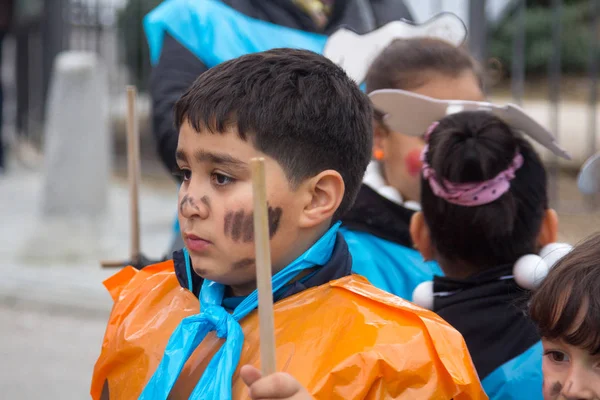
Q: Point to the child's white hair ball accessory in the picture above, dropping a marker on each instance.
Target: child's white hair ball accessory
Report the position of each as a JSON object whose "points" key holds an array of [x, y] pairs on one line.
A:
{"points": [[528, 272]]}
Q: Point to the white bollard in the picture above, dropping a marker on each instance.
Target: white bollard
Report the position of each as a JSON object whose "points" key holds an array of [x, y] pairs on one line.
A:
{"points": [[77, 147]]}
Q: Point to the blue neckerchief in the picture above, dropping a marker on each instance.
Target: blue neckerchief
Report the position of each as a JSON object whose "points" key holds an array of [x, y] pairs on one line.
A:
{"points": [[216, 381], [230, 303]]}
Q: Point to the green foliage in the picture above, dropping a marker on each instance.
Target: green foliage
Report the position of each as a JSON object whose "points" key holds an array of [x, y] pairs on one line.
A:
{"points": [[136, 53], [577, 38]]}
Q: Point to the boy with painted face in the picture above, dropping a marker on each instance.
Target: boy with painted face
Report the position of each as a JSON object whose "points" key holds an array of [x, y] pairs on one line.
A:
{"points": [[182, 328], [566, 310]]}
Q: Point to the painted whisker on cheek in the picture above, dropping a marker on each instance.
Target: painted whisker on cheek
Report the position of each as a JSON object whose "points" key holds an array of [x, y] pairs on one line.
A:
{"points": [[248, 228], [227, 225], [239, 225], [244, 263], [236, 225], [274, 218]]}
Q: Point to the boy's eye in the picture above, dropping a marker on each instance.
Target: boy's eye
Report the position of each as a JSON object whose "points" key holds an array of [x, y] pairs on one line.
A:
{"points": [[557, 356], [221, 180], [184, 174]]}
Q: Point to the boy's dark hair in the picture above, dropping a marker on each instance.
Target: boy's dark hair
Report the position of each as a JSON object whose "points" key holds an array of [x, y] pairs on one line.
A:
{"points": [[567, 304], [475, 146], [296, 106], [406, 64]]}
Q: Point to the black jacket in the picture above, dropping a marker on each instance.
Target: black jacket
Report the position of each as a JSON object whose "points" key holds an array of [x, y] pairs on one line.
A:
{"points": [[490, 313], [177, 67]]}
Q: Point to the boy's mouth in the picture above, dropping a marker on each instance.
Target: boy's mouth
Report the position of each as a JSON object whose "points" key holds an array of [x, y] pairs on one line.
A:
{"points": [[195, 243]]}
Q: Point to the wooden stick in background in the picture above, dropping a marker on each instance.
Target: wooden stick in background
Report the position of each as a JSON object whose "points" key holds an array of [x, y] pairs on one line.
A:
{"points": [[133, 173], [263, 268]]}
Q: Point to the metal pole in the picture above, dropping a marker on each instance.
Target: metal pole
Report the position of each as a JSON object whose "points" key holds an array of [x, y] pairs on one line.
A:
{"points": [[478, 29], [594, 69], [518, 59], [554, 68], [54, 31]]}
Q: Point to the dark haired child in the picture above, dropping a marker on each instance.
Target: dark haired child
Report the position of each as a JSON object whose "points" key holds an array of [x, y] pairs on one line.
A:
{"points": [[181, 329], [566, 309], [484, 218], [377, 227]]}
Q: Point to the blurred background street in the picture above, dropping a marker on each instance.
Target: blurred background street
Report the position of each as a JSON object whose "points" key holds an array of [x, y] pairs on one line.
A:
{"points": [[543, 55]]}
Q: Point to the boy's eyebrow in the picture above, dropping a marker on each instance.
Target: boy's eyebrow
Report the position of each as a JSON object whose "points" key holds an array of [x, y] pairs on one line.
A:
{"points": [[180, 155], [219, 158]]}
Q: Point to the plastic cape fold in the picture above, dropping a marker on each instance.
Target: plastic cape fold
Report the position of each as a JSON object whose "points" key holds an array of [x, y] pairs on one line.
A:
{"points": [[341, 340]]}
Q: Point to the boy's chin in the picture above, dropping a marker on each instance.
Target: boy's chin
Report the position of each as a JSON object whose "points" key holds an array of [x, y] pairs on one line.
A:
{"points": [[228, 275]]}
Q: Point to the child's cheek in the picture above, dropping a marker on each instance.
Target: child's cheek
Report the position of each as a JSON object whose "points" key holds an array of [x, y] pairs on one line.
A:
{"points": [[413, 162]]}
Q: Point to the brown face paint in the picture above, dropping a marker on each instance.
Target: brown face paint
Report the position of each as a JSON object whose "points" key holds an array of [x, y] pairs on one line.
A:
{"points": [[240, 225], [236, 225], [228, 218], [274, 218], [556, 389], [248, 228], [206, 201], [244, 263], [183, 203], [187, 199]]}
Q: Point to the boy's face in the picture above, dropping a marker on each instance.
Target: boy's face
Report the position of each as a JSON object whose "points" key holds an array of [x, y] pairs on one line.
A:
{"points": [[569, 372], [216, 207]]}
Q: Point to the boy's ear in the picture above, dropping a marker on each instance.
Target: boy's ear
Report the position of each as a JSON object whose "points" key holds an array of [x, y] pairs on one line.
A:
{"points": [[325, 193], [549, 228], [419, 232]]}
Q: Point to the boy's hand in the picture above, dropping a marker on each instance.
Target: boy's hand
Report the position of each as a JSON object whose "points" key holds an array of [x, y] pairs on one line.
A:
{"points": [[276, 386]]}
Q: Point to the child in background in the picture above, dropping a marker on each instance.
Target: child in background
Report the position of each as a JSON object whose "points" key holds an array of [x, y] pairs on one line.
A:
{"points": [[484, 211], [181, 329], [566, 309], [377, 227]]}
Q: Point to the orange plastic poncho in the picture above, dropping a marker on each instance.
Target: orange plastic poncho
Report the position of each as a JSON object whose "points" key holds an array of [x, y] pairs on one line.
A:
{"points": [[342, 340]]}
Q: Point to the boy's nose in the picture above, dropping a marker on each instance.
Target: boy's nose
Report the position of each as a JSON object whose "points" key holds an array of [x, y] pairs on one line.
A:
{"points": [[193, 207], [577, 387]]}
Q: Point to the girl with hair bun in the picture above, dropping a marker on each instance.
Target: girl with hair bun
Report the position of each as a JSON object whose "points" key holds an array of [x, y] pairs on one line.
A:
{"points": [[484, 216], [377, 227]]}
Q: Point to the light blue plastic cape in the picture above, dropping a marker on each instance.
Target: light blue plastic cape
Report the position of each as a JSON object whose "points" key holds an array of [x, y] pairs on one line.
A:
{"points": [[215, 32], [387, 265], [519, 378], [217, 378]]}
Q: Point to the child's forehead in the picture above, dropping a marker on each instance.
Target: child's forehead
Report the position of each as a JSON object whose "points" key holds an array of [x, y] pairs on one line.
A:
{"points": [[229, 143]]}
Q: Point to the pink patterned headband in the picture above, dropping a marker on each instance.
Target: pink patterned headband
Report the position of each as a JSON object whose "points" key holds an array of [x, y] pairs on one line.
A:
{"points": [[473, 193]]}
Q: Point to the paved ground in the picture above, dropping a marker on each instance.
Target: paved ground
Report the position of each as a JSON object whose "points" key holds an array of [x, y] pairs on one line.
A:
{"points": [[47, 355], [53, 307]]}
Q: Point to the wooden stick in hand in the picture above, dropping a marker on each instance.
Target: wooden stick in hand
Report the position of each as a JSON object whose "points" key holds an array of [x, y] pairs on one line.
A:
{"points": [[263, 267]]}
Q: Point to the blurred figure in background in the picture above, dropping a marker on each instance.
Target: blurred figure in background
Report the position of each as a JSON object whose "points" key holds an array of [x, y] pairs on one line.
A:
{"points": [[6, 11], [175, 66]]}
